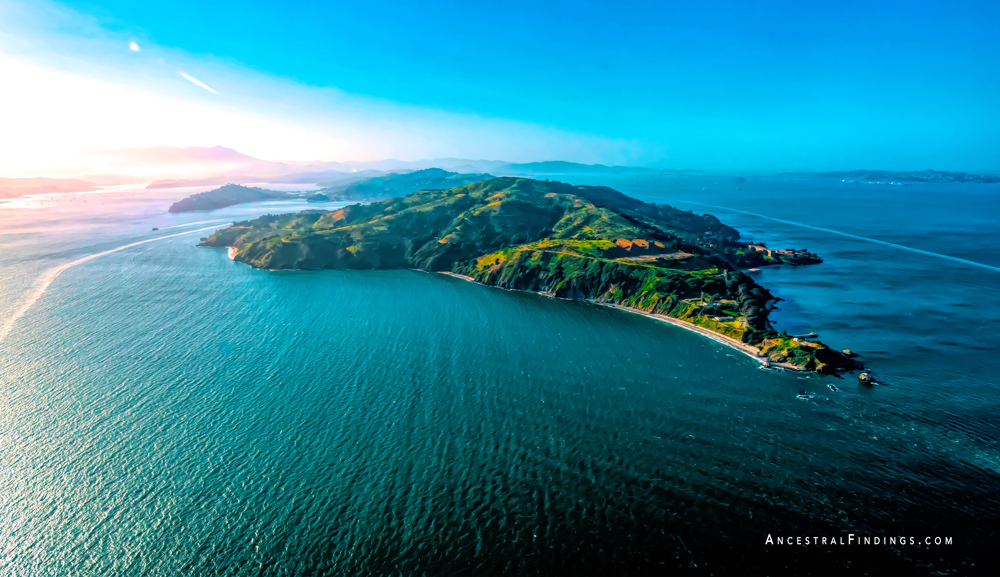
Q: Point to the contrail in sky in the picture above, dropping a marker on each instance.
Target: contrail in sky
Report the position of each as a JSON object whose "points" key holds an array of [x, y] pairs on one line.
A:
{"points": [[848, 235], [50, 275], [194, 80]]}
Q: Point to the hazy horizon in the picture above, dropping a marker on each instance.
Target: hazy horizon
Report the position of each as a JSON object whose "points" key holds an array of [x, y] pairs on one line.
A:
{"points": [[150, 164], [726, 88]]}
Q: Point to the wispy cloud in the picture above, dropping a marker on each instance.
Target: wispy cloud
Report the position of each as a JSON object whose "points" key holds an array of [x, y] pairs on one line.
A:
{"points": [[197, 82]]}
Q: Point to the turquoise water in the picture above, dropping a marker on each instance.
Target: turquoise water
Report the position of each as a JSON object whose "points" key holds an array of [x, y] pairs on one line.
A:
{"points": [[166, 411]]}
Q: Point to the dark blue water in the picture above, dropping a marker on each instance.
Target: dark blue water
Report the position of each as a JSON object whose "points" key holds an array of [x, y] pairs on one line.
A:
{"points": [[165, 411]]}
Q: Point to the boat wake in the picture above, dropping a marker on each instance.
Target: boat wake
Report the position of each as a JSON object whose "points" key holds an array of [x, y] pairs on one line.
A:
{"points": [[194, 223], [849, 235], [50, 275]]}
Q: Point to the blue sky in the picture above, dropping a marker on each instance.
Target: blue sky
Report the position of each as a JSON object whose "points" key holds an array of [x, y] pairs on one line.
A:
{"points": [[767, 85]]}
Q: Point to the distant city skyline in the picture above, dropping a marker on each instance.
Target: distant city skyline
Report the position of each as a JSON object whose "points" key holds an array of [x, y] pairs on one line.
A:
{"points": [[721, 87]]}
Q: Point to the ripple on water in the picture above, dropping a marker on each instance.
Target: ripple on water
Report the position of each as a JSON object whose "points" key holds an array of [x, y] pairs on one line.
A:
{"points": [[166, 411]]}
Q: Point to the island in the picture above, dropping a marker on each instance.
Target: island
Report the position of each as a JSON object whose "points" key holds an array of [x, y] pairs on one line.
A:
{"points": [[228, 195], [560, 240]]}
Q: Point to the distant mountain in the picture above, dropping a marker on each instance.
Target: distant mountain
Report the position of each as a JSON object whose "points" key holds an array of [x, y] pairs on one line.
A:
{"points": [[341, 178], [218, 164], [174, 155], [174, 167], [465, 165], [323, 177], [461, 165], [564, 167], [911, 176], [400, 184], [228, 195], [14, 187], [361, 186]]}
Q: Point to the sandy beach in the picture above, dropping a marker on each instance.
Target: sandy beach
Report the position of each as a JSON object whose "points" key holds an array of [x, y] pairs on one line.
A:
{"points": [[456, 275], [740, 346]]}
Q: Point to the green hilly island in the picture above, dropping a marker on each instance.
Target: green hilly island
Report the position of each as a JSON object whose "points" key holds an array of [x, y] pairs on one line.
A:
{"points": [[579, 242]]}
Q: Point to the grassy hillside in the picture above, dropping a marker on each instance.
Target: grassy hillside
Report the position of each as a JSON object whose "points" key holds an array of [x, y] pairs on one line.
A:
{"points": [[568, 241]]}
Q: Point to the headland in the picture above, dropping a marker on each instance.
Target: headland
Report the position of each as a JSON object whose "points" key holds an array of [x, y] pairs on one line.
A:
{"points": [[578, 242]]}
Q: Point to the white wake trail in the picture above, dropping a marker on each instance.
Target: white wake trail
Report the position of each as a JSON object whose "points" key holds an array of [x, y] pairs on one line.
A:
{"points": [[854, 236], [194, 223], [50, 275]]}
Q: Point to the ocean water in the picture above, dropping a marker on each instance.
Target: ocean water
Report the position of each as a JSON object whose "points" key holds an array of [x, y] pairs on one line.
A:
{"points": [[166, 411]]}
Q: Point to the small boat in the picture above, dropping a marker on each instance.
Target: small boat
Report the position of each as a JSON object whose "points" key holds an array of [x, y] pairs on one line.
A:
{"points": [[154, 228], [866, 377]]}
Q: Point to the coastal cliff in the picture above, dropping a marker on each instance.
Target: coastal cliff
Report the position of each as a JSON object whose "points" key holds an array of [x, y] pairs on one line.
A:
{"points": [[580, 242]]}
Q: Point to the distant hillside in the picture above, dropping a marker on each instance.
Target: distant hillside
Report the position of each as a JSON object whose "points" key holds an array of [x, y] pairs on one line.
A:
{"points": [[913, 176], [228, 195], [399, 184], [315, 177], [173, 167], [358, 187], [173, 155], [564, 167]]}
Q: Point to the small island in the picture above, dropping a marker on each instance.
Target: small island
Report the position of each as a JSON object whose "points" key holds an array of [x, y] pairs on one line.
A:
{"points": [[576, 242], [228, 195]]}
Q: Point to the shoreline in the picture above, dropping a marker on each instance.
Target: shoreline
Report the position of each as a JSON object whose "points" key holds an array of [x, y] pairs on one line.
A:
{"points": [[730, 342], [739, 346], [742, 347], [456, 275]]}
